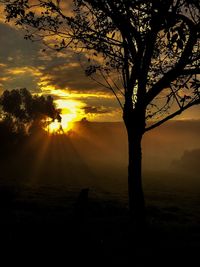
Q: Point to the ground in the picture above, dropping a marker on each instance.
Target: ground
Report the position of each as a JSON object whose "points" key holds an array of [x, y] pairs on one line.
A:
{"points": [[41, 223]]}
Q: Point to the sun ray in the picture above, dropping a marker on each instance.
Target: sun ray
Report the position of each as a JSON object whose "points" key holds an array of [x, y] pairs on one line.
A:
{"points": [[42, 145]]}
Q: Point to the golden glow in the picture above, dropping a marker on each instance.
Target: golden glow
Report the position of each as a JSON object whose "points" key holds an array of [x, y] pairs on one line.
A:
{"points": [[66, 94], [72, 105], [54, 127], [23, 70], [71, 111]]}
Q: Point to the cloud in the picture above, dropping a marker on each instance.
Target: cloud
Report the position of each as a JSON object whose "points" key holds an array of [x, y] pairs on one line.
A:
{"points": [[19, 64], [96, 110], [59, 69], [24, 70], [2, 65], [70, 75], [13, 46], [19, 77]]}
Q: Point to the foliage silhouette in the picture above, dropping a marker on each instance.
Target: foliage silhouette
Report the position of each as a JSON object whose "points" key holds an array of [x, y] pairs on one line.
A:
{"points": [[22, 114], [146, 52]]}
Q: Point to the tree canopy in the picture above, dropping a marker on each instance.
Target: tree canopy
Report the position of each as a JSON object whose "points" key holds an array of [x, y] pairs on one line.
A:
{"points": [[21, 111]]}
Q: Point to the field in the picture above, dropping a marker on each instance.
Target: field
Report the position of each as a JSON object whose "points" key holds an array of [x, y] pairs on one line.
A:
{"points": [[39, 200]]}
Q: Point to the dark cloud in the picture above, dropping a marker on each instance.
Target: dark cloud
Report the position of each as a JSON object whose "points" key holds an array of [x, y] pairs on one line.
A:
{"points": [[107, 101], [18, 60], [68, 76], [96, 110], [58, 69], [25, 64], [72, 76], [15, 51]]}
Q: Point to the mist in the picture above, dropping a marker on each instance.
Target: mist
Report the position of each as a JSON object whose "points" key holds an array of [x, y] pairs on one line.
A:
{"points": [[96, 155]]}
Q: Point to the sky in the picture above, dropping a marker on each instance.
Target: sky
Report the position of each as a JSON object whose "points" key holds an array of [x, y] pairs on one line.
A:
{"points": [[24, 64]]}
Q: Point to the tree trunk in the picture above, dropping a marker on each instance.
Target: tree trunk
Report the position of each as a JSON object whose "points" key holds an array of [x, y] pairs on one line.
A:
{"points": [[135, 190], [135, 125], [134, 119]]}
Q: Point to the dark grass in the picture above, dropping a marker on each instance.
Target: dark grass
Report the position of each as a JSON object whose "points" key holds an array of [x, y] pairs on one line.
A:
{"points": [[41, 224]]}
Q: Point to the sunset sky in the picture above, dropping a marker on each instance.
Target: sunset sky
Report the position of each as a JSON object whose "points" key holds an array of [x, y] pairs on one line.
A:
{"points": [[25, 64]]}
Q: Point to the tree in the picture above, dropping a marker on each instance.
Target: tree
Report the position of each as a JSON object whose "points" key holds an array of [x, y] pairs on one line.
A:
{"points": [[21, 112], [152, 46]]}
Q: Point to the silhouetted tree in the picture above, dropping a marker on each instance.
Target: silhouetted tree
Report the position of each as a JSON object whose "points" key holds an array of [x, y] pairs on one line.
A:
{"points": [[152, 45], [21, 112]]}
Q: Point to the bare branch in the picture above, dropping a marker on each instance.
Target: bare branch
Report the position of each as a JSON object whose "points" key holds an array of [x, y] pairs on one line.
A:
{"points": [[172, 74], [171, 116]]}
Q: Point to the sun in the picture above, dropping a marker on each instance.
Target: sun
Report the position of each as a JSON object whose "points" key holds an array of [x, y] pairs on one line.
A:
{"points": [[71, 111], [55, 127]]}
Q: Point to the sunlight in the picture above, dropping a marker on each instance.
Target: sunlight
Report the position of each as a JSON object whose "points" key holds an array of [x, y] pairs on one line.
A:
{"points": [[71, 111], [73, 108], [54, 127]]}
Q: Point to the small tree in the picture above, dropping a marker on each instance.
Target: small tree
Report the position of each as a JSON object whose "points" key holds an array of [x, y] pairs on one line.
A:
{"points": [[152, 45], [21, 112]]}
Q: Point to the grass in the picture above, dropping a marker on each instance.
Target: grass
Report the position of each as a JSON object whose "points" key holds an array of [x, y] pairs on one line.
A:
{"points": [[39, 221]]}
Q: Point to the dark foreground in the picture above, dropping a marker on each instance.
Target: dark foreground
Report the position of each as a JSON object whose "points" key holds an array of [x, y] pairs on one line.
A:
{"points": [[45, 224], [42, 221]]}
